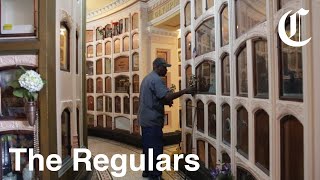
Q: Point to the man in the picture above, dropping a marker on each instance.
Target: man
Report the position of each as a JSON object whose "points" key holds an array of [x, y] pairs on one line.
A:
{"points": [[153, 96]]}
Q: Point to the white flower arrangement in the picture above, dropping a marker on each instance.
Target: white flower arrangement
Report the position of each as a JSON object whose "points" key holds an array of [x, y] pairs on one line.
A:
{"points": [[31, 80], [28, 85]]}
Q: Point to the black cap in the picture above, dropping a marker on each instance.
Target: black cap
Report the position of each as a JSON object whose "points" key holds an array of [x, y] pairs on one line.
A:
{"points": [[160, 62]]}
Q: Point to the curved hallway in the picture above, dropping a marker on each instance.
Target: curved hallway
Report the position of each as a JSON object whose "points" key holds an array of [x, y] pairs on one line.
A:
{"points": [[109, 148]]}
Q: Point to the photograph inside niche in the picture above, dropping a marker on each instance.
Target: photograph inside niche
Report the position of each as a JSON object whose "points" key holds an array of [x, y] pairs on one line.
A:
{"points": [[64, 47]]}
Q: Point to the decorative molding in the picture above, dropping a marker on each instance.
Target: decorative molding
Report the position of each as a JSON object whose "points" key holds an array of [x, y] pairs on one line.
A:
{"points": [[261, 104], [114, 6], [66, 104], [161, 32], [66, 17], [240, 102], [15, 125], [294, 109], [16, 60]]}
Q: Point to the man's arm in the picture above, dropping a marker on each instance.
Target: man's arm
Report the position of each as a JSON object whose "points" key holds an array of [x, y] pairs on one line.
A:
{"points": [[171, 96]]}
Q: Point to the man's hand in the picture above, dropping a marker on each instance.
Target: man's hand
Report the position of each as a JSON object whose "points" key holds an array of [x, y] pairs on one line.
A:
{"points": [[190, 90]]}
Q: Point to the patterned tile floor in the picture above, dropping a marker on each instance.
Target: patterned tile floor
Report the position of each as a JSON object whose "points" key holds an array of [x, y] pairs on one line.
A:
{"points": [[109, 147]]}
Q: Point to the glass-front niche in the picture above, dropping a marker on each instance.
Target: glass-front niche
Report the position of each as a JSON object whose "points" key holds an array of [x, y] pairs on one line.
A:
{"points": [[23, 139], [11, 107], [18, 17]]}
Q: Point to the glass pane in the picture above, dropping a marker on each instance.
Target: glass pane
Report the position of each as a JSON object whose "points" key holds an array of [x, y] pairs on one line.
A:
{"points": [[242, 131], [90, 103], [136, 84], [126, 43], [210, 3], [99, 66], [90, 119], [201, 151], [206, 77], [121, 64], [243, 174], [89, 36], [89, 68], [117, 46], [212, 157], [108, 48], [205, 38], [136, 127], [242, 74], [200, 116], [188, 144], [64, 48], [135, 41], [108, 104], [187, 12], [14, 140], [108, 66], [99, 34], [108, 85], [188, 75], [99, 86], [121, 26], [126, 25], [100, 121], [11, 107], [291, 69], [18, 17], [249, 14], [261, 69], [121, 83], [99, 49], [226, 158], [225, 76], [108, 29], [89, 85], [65, 134], [126, 105], [292, 164], [100, 103], [135, 63], [189, 113], [135, 105], [262, 140], [135, 21], [90, 51], [109, 122], [224, 26], [198, 8], [117, 104], [212, 119], [188, 46], [226, 124]]}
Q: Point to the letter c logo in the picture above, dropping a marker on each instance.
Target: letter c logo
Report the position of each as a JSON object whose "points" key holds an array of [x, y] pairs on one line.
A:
{"points": [[293, 23]]}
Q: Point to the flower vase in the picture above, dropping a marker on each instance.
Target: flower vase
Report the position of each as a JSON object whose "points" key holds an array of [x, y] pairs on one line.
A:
{"points": [[30, 109]]}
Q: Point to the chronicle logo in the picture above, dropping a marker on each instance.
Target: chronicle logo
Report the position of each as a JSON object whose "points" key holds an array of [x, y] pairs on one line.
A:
{"points": [[293, 29]]}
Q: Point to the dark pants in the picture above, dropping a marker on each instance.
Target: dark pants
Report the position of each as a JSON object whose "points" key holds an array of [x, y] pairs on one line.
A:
{"points": [[152, 137]]}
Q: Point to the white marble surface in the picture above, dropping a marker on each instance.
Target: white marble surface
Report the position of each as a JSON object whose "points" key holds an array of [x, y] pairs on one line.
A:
{"points": [[109, 147]]}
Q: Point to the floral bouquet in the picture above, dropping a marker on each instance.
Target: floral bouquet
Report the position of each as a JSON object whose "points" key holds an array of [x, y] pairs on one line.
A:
{"points": [[222, 174], [173, 88], [28, 85]]}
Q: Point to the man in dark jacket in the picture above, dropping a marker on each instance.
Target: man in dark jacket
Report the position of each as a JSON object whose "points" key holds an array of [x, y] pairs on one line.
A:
{"points": [[153, 96]]}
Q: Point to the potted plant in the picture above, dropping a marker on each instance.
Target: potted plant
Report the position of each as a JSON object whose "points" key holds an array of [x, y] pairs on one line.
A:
{"points": [[27, 86]]}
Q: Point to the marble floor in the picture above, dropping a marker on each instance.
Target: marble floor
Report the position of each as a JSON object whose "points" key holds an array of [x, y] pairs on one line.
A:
{"points": [[109, 147]]}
